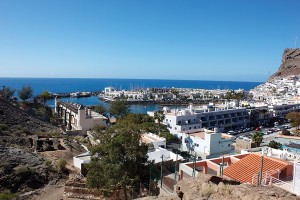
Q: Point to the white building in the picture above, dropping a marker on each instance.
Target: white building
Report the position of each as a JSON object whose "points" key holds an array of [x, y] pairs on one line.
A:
{"points": [[282, 110], [81, 159], [154, 154], [193, 120], [78, 118], [158, 154], [207, 143], [155, 140]]}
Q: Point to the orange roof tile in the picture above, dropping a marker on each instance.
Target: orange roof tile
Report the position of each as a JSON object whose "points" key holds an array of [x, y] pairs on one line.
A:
{"points": [[248, 166]]}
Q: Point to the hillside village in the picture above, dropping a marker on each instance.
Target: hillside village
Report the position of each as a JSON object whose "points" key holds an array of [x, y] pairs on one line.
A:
{"points": [[247, 144]]}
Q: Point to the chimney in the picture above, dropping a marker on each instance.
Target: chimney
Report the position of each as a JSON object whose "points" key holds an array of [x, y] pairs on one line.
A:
{"points": [[216, 130]]}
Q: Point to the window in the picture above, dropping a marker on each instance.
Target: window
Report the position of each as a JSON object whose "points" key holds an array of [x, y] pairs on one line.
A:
{"points": [[228, 145], [194, 119], [178, 122], [190, 128], [175, 128], [195, 127], [196, 145]]}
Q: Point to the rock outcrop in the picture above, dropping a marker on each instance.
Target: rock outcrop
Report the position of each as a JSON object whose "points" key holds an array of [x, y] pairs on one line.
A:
{"points": [[290, 64], [215, 188], [21, 171]]}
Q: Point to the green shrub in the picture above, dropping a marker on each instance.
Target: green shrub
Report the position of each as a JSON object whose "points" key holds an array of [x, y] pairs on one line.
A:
{"points": [[285, 132], [61, 165], [3, 127], [22, 170], [4, 196], [47, 163]]}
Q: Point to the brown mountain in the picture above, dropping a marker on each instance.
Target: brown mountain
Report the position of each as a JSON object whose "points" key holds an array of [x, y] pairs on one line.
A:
{"points": [[290, 64]]}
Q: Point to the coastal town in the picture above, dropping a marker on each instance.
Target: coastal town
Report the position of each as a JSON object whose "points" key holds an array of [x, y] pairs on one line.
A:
{"points": [[213, 132], [149, 100]]}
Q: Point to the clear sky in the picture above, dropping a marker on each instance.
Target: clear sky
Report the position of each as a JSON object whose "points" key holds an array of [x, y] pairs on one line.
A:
{"points": [[240, 40]]}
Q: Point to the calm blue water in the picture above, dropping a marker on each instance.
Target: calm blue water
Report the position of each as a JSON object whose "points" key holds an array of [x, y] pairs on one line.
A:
{"points": [[60, 85]]}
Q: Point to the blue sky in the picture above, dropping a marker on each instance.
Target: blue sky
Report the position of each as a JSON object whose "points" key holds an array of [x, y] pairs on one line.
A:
{"points": [[154, 39]]}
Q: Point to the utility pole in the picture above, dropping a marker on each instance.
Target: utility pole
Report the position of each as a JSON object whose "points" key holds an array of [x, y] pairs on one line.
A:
{"points": [[194, 165], [175, 177], [161, 171], [222, 167], [261, 170]]}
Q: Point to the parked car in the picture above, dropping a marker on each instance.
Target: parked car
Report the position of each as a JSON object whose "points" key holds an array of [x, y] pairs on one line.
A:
{"points": [[231, 133], [267, 132]]}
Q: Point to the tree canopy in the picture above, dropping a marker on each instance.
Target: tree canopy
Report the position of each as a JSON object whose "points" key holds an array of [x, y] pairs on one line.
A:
{"points": [[275, 145], [45, 95], [257, 138], [100, 109], [8, 93], [234, 95], [119, 108], [25, 93], [159, 116], [119, 160], [294, 117]]}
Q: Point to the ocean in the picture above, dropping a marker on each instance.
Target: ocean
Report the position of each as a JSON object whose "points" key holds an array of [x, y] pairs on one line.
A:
{"points": [[60, 85]]}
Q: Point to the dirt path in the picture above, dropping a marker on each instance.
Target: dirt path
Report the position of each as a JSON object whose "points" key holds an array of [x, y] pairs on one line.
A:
{"points": [[55, 190]]}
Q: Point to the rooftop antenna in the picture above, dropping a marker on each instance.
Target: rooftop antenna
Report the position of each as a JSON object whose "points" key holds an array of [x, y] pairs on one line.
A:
{"points": [[296, 38]]}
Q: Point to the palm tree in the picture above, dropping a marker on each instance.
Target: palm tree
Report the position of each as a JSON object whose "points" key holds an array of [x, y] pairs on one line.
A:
{"points": [[159, 116], [257, 138], [45, 95]]}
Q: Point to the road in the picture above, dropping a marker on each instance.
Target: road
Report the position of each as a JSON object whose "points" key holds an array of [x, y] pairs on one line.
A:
{"points": [[267, 138]]}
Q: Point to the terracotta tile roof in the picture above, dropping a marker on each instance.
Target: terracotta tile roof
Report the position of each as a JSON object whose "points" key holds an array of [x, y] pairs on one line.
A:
{"points": [[244, 169]]}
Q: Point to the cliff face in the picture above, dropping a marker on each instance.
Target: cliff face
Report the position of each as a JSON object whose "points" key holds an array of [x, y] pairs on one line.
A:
{"points": [[290, 64]]}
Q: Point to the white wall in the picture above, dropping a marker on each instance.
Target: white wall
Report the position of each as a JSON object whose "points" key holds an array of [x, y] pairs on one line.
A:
{"points": [[210, 145], [167, 155], [77, 161]]}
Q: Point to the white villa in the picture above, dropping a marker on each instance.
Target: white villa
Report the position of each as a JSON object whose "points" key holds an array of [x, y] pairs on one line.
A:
{"points": [[207, 143], [158, 152]]}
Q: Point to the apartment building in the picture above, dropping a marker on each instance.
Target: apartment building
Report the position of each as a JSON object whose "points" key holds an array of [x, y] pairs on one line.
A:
{"points": [[193, 120], [77, 118]]}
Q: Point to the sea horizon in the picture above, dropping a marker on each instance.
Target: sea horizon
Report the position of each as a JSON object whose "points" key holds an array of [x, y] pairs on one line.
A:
{"points": [[67, 85], [131, 79]]}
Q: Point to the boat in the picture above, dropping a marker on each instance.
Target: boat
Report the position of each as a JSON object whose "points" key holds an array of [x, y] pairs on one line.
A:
{"points": [[80, 94]]}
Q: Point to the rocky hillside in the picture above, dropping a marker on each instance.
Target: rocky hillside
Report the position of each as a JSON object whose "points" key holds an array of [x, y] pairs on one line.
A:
{"points": [[215, 188], [20, 169], [290, 64], [14, 121]]}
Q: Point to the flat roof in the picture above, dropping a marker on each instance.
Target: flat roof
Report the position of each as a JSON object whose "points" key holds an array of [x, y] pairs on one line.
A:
{"points": [[148, 138], [198, 134]]}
